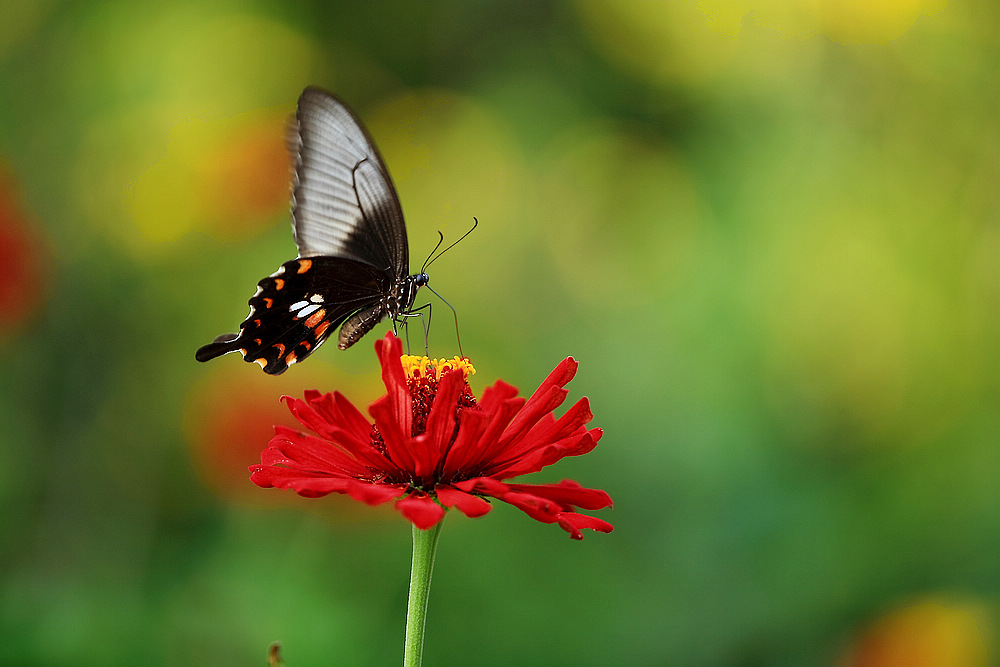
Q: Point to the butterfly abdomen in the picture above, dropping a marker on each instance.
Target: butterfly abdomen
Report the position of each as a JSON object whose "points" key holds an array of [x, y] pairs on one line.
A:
{"points": [[359, 324]]}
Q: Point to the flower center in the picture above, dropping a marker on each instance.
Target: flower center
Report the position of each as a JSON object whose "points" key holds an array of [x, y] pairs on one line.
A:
{"points": [[422, 377]]}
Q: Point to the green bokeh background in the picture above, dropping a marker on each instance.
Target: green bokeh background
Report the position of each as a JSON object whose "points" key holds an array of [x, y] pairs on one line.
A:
{"points": [[769, 233]]}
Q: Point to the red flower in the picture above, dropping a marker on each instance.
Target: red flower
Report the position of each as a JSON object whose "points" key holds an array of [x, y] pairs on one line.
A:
{"points": [[433, 446]]}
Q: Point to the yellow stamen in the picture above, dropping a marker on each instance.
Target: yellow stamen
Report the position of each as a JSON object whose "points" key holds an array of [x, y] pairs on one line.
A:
{"points": [[415, 366]]}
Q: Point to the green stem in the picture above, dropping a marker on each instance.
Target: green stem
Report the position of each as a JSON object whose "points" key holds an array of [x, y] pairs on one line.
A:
{"points": [[424, 547]]}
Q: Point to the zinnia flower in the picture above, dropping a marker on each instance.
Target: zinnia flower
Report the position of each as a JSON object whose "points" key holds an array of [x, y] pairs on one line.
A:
{"points": [[434, 446]]}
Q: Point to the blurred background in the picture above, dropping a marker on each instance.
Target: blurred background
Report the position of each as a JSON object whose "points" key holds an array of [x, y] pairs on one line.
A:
{"points": [[769, 232]]}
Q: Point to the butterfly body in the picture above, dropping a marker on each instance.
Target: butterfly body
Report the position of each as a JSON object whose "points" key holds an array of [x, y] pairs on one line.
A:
{"points": [[352, 268]]}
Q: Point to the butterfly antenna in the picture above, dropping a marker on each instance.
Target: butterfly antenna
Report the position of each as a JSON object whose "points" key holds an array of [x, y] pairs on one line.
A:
{"points": [[454, 312], [431, 259], [427, 262]]}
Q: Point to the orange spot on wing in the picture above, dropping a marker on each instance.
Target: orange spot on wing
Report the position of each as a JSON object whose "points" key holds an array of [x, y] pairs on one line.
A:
{"points": [[290, 359], [321, 330], [278, 284], [304, 265], [316, 318], [268, 302], [280, 348], [260, 362]]}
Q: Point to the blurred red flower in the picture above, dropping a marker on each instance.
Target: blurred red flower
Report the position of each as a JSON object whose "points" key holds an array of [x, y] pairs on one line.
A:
{"points": [[433, 446], [22, 258]]}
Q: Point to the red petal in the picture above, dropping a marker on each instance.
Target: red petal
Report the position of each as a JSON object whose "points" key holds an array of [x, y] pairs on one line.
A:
{"points": [[572, 522], [314, 485], [306, 415], [544, 503], [428, 448], [321, 413], [535, 460], [543, 401], [307, 452], [332, 417], [540, 405], [340, 455], [374, 494], [497, 394], [274, 456], [395, 436], [561, 374], [468, 504], [567, 493], [335, 409], [488, 445], [570, 423], [422, 511], [486, 486], [389, 350], [465, 451]]}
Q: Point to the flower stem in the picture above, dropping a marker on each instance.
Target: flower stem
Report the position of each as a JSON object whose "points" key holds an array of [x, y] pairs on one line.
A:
{"points": [[424, 548]]}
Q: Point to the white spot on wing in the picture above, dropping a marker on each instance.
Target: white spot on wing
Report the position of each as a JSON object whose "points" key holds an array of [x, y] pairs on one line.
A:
{"points": [[308, 310], [302, 309]]}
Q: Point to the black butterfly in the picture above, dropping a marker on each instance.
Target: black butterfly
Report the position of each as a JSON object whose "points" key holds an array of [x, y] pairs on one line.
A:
{"points": [[353, 258]]}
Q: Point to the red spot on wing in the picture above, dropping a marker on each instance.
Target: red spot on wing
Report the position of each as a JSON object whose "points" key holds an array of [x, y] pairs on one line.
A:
{"points": [[321, 330], [316, 318], [268, 302]]}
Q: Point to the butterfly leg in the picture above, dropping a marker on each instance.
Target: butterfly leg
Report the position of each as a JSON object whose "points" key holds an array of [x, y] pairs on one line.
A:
{"points": [[404, 319]]}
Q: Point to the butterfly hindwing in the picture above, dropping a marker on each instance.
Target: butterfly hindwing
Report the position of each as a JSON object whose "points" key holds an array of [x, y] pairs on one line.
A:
{"points": [[297, 308]]}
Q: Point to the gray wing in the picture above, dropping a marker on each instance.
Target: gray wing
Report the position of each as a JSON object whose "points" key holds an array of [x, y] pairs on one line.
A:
{"points": [[343, 201]]}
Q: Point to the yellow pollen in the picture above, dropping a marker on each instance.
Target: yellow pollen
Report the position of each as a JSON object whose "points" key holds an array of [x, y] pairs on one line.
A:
{"points": [[415, 366]]}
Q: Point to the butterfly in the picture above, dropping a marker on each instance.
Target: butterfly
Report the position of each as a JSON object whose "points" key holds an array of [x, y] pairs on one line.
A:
{"points": [[353, 261]]}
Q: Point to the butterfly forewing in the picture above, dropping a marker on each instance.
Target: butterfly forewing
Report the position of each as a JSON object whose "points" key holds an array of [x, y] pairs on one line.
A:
{"points": [[344, 203]]}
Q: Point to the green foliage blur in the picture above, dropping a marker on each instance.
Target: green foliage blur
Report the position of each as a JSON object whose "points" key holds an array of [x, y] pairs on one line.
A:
{"points": [[769, 232]]}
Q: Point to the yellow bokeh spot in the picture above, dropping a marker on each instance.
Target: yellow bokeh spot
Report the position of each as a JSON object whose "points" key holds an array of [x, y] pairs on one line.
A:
{"points": [[228, 177], [200, 144], [854, 322], [667, 41], [927, 633], [870, 21], [245, 175], [696, 42], [450, 158]]}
